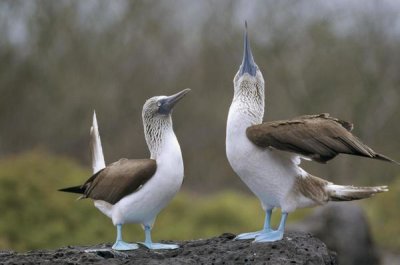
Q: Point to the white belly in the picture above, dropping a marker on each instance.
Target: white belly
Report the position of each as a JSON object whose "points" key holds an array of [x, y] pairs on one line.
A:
{"points": [[143, 205], [269, 174]]}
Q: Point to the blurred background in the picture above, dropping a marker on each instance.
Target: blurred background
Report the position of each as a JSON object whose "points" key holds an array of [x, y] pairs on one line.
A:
{"points": [[60, 60]]}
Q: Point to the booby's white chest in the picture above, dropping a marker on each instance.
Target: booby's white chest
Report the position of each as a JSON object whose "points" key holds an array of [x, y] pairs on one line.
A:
{"points": [[143, 205], [269, 174]]}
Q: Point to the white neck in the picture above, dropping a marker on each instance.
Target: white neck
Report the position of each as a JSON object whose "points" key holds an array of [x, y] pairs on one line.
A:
{"points": [[159, 135], [245, 111], [247, 106]]}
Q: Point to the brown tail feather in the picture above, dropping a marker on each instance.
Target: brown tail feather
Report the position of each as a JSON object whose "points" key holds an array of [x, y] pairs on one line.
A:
{"points": [[350, 193], [75, 189]]}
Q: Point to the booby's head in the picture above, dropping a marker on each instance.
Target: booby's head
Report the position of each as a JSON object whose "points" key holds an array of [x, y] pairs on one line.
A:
{"points": [[249, 76], [157, 120], [160, 107], [248, 65], [249, 82]]}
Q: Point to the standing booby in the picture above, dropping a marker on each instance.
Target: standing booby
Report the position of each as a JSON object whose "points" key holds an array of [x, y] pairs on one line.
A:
{"points": [[136, 190], [266, 156]]}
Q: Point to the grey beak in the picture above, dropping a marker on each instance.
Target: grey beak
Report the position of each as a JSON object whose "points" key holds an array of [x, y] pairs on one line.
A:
{"points": [[248, 64], [168, 103]]}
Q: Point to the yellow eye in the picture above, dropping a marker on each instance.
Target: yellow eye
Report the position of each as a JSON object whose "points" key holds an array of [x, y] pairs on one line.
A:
{"points": [[158, 104]]}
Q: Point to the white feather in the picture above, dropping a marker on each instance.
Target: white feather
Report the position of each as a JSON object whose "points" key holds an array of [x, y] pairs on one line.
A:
{"points": [[98, 162]]}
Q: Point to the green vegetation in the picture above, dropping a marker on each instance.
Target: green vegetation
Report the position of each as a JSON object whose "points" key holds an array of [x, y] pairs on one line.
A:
{"points": [[35, 215]]}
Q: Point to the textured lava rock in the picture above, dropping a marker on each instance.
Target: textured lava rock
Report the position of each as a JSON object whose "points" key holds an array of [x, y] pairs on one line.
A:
{"points": [[295, 248]]}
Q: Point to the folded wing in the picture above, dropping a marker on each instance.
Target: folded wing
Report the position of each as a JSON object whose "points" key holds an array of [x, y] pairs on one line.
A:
{"points": [[119, 179]]}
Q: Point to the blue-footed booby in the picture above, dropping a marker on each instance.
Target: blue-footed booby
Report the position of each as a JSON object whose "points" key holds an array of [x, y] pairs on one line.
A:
{"points": [[266, 156], [136, 190]]}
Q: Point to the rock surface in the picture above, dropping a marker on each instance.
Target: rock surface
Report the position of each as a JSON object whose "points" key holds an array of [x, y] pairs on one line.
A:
{"points": [[295, 248]]}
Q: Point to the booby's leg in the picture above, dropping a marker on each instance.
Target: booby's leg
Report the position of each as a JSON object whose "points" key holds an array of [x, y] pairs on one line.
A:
{"points": [[120, 244], [274, 235], [149, 243], [266, 229]]}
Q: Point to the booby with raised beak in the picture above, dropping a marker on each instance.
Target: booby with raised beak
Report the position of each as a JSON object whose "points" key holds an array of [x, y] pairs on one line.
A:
{"points": [[266, 156], [136, 190]]}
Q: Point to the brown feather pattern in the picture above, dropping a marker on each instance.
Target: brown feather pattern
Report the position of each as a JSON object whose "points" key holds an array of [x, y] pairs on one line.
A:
{"points": [[312, 188], [119, 179], [319, 137]]}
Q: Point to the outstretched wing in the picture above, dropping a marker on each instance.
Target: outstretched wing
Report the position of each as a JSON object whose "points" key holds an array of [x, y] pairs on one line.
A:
{"points": [[119, 179], [318, 137]]}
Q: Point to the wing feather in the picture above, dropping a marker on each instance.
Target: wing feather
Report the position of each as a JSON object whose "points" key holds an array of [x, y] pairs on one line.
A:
{"points": [[119, 179], [319, 137]]}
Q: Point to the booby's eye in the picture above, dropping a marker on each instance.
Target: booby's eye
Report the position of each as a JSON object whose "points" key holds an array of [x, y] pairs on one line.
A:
{"points": [[158, 104]]}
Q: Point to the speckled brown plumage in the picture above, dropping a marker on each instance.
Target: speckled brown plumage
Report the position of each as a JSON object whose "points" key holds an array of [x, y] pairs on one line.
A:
{"points": [[312, 188]]}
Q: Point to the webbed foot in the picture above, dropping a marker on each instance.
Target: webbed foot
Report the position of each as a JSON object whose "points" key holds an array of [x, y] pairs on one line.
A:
{"points": [[273, 235], [266, 229], [269, 236], [148, 243], [121, 245], [158, 245], [251, 235]]}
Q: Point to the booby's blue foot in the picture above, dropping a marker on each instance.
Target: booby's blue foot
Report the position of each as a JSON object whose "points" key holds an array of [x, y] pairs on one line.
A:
{"points": [[269, 237], [273, 235], [158, 245], [251, 235], [148, 243], [266, 229], [121, 245]]}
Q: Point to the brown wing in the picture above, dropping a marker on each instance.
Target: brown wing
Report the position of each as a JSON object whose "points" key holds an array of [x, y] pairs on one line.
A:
{"points": [[319, 137], [119, 179]]}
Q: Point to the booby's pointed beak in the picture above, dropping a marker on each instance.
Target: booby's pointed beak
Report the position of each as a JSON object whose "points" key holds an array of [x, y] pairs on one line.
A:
{"points": [[248, 65], [168, 103]]}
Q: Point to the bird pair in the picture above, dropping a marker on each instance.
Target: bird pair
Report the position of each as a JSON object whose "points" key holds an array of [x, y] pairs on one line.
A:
{"points": [[266, 156]]}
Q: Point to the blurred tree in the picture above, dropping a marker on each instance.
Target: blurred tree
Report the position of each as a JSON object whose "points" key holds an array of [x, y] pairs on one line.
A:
{"points": [[59, 60]]}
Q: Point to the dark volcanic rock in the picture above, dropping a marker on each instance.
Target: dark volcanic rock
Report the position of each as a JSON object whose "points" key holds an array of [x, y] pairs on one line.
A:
{"points": [[296, 248]]}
